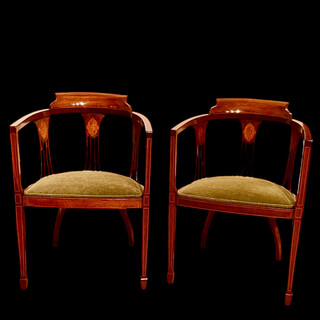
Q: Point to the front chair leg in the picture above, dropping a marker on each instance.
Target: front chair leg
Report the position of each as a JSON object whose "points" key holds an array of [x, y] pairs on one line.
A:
{"points": [[144, 251], [292, 262], [21, 234]]}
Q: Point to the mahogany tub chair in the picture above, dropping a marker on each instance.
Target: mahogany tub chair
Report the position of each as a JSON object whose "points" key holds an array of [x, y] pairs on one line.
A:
{"points": [[90, 188], [242, 193]]}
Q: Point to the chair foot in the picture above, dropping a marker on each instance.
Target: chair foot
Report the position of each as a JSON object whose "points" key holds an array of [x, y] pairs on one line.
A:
{"points": [[24, 283], [170, 277], [288, 298], [143, 282]]}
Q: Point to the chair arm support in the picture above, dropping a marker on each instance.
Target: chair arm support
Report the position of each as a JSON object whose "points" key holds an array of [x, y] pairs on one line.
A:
{"points": [[148, 130], [173, 166], [148, 166], [16, 167], [304, 167], [304, 171], [141, 121]]}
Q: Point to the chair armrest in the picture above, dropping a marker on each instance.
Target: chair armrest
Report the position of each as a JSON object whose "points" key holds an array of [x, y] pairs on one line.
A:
{"points": [[305, 131], [145, 121], [23, 121], [189, 122]]}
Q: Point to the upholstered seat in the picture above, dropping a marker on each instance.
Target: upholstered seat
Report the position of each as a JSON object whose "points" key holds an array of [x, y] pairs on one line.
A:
{"points": [[238, 189], [86, 184]]}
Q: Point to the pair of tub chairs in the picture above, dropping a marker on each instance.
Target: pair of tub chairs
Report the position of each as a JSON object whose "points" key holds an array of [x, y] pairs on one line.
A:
{"points": [[92, 188]]}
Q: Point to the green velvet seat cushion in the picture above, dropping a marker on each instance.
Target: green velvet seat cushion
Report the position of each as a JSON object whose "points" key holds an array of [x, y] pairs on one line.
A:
{"points": [[238, 189], [86, 184]]}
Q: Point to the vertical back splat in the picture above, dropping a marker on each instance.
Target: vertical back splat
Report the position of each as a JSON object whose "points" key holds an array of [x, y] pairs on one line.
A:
{"points": [[249, 133], [45, 157], [92, 123], [200, 131]]}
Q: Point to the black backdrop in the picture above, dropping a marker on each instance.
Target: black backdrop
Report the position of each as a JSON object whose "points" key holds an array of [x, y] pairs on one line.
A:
{"points": [[172, 67]]}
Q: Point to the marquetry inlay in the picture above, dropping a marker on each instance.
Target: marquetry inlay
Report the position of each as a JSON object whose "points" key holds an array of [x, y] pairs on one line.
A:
{"points": [[93, 127], [249, 132], [43, 128], [92, 122]]}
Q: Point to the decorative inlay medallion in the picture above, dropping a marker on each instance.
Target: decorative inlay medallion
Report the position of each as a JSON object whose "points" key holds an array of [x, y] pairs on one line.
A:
{"points": [[43, 128], [249, 132], [92, 127]]}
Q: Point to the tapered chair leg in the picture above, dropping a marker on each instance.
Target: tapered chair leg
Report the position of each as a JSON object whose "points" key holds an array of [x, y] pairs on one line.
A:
{"points": [[276, 237], [144, 251], [57, 226], [171, 241], [126, 220], [292, 262], [21, 234], [206, 228]]}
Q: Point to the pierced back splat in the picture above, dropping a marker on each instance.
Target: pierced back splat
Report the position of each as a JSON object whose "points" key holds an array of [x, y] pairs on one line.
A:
{"points": [[92, 123], [200, 131], [45, 157], [113, 102], [255, 107], [249, 133], [251, 107]]}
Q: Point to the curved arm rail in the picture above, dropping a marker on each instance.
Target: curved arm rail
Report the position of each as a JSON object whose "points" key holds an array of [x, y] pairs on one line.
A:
{"points": [[189, 122], [144, 120], [305, 131], [23, 121]]}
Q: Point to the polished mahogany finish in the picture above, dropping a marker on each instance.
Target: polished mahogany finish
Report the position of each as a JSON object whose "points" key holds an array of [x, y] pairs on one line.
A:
{"points": [[45, 157], [252, 106], [251, 113], [92, 100], [93, 107], [92, 122]]}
